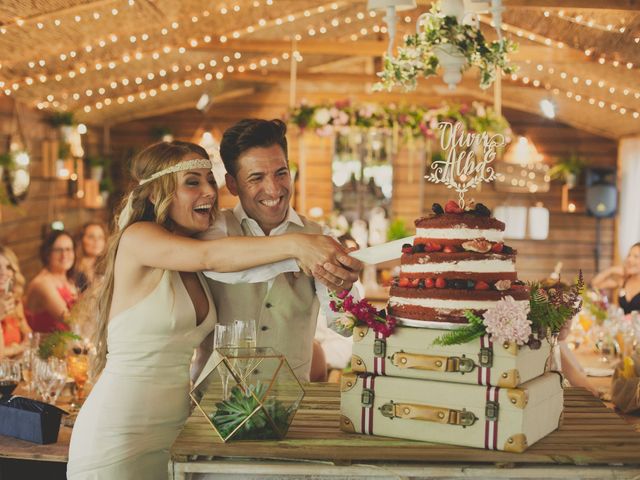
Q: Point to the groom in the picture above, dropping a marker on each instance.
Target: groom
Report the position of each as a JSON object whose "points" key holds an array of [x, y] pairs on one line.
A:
{"points": [[254, 153]]}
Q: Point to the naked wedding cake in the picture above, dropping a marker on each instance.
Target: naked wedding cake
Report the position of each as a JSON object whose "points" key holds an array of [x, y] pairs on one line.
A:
{"points": [[458, 262]]}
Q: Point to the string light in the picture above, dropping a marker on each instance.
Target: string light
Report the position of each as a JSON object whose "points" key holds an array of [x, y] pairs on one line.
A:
{"points": [[586, 22]]}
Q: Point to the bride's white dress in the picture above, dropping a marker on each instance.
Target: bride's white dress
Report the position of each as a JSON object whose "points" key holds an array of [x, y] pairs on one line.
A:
{"points": [[141, 400]]}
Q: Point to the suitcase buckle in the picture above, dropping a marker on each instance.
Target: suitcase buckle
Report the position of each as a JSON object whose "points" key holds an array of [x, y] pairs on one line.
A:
{"points": [[466, 365], [491, 411], [366, 399], [379, 347], [462, 417], [388, 410], [486, 357]]}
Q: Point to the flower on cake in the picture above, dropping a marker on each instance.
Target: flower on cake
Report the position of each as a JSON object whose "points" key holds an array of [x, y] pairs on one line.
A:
{"points": [[361, 312], [507, 321]]}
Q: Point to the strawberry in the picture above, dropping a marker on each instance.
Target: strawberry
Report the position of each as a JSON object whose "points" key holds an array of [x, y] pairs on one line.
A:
{"points": [[452, 207], [407, 248], [441, 282], [435, 247], [415, 282], [429, 283], [497, 247], [480, 285], [404, 282], [450, 249]]}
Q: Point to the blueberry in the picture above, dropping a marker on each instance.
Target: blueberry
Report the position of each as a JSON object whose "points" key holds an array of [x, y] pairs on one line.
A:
{"points": [[437, 209], [482, 210], [418, 248], [534, 343], [471, 284], [507, 250], [421, 283]]}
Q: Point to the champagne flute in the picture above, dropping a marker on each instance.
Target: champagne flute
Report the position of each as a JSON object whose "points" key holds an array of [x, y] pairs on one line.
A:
{"points": [[224, 337], [51, 376], [245, 331]]}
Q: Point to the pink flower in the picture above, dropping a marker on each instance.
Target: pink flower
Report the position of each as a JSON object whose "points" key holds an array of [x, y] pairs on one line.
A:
{"points": [[507, 321]]}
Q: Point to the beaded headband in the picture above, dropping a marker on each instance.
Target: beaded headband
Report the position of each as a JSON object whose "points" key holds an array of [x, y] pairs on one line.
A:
{"points": [[179, 167]]}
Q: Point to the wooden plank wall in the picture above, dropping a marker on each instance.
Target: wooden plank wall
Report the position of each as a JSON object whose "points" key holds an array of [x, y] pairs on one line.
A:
{"points": [[572, 236], [21, 226]]}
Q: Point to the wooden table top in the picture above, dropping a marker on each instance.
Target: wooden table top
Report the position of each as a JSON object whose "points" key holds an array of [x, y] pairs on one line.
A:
{"points": [[590, 434]]}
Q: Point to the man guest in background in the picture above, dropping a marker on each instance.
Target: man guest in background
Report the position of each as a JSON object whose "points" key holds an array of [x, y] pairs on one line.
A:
{"points": [[285, 308]]}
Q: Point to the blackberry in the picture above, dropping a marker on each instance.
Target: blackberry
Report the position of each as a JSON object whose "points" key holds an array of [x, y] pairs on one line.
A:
{"points": [[421, 283], [534, 343], [419, 248], [461, 284], [518, 282], [437, 209], [507, 250], [482, 210]]}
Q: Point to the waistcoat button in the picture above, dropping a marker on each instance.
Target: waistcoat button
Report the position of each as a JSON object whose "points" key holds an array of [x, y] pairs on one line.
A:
{"points": [[264, 328], [268, 305]]}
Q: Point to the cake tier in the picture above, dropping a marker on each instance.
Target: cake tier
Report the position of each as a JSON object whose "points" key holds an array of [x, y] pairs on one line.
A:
{"points": [[450, 228], [434, 263], [446, 305]]}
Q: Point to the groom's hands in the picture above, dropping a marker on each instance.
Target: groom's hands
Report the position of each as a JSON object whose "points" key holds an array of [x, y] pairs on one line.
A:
{"points": [[340, 276]]}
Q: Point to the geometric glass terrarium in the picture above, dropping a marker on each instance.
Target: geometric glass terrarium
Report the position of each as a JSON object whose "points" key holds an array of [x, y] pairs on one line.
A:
{"points": [[248, 393]]}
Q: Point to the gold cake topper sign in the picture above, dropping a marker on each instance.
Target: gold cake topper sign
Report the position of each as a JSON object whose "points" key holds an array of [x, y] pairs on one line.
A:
{"points": [[467, 158]]}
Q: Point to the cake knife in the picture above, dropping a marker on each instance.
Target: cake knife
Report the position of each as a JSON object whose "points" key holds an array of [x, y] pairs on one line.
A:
{"points": [[382, 253]]}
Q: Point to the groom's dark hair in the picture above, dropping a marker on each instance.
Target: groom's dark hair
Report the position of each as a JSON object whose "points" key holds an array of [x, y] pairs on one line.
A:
{"points": [[250, 133]]}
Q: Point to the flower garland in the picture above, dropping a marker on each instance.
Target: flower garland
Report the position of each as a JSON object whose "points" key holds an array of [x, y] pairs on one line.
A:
{"points": [[548, 310], [361, 312], [419, 55], [418, 122]]}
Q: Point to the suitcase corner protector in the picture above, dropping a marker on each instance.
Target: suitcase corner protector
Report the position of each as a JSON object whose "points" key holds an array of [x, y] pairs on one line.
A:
{"points": [[346, 425], [360, 332], [348, 381], [357, 364], [516, 443]]}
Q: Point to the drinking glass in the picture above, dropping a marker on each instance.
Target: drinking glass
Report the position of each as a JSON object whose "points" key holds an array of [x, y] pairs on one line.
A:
{"points": [[245, 332], [224, 337], [50, 377], [26, 363], [9, 376], [78, 368]]}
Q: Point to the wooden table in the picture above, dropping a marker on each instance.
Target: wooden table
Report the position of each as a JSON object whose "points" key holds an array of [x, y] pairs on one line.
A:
{"points": [[593, 442]]}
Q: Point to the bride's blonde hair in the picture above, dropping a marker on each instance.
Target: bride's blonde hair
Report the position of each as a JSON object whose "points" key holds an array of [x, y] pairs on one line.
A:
{"points": [[152, 159]]}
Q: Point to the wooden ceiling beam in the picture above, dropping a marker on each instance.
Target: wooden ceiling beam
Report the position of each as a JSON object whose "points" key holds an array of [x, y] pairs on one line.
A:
{"points": [[374, 48], [579, 4]]}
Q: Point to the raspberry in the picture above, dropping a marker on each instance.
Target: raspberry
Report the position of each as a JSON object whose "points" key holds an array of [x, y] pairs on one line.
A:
{"points": [[437, 209], [480, 285], [429, 283], [450, 249], [404, 282], [433, 247], [407, 248], [497, 247], [415, 282], [441, 282], [452, 207]]}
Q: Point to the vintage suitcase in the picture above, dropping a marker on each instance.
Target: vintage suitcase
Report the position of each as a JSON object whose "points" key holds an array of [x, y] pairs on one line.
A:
{"points": [[469, 415], [410, 353]]}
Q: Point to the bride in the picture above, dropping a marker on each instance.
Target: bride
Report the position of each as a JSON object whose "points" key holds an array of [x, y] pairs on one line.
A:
{"points": [[153, 309]]}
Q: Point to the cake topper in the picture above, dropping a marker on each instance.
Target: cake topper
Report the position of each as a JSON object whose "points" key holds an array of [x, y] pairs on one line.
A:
{"points": [[462, 168]]}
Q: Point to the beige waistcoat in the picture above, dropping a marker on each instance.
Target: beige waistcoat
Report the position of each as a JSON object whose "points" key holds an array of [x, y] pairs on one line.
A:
{"points": [[285, 315]]}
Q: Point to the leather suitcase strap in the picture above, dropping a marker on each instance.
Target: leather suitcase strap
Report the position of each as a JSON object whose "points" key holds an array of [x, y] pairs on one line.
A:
{"points": [[433, 363], [428, 413]]}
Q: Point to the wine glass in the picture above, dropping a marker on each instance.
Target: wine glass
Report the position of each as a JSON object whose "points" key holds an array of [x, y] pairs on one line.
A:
{"points": [[78, 368], [9, 376], [245, 332], [50, 376], [224, 337], [26, 363]]}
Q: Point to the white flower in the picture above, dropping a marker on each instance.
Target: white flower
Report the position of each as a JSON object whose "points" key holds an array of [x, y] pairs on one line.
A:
{"points": [[322, 116]]}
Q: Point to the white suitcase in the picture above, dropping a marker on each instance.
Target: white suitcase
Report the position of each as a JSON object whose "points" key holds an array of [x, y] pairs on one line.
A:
{"points": [[469, 415], [410, 353]]}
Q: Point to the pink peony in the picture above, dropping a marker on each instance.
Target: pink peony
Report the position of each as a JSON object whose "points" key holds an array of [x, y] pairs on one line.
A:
{"points": [[507, 321]]}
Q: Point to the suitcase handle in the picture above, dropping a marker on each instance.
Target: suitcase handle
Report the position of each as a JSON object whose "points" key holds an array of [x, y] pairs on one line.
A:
{"points": [[428, 413], [432, 363]]}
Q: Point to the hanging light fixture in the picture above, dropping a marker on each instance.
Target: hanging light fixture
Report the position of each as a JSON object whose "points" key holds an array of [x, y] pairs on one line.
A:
{"points": [[522, 169], [391, 7]]}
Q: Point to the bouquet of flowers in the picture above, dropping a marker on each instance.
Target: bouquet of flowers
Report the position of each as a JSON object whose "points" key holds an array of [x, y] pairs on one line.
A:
{"points": [[549, 308], [358, 313]]}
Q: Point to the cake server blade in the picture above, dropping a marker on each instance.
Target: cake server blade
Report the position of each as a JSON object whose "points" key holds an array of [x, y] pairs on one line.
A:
{"points": [[381, 253]]}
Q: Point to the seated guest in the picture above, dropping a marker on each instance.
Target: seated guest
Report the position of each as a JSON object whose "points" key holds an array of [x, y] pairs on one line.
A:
{"points": [[626, 277], [14, 330], [52, 293], [92, 242]]}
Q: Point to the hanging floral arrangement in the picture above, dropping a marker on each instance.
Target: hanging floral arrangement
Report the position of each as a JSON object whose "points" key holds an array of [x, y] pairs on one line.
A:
{"points": [[327, 119], [443, 40]]}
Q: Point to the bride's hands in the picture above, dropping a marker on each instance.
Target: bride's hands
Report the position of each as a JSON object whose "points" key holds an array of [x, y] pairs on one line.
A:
{"points": [[313, 251]]}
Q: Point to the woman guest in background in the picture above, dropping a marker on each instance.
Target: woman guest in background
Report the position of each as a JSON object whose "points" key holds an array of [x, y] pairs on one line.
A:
{"points": [[14, 331], [93, 239], [625, 277], [154, 309], [52, 292]]}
